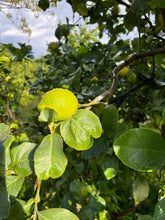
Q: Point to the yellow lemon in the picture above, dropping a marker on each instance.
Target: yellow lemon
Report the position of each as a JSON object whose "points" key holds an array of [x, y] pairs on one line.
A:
{"points": [[62, 101], [124, 71]]}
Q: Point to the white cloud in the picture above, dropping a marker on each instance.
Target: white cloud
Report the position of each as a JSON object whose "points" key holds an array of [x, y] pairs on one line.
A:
{"points": [[42, 28]]}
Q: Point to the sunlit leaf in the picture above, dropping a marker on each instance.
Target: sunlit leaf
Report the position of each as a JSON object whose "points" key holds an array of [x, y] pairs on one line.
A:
{"points": [[49, 158], [56, 213]]}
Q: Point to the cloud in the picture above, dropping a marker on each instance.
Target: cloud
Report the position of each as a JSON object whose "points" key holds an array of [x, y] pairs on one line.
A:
{"points": [[42, 28]]}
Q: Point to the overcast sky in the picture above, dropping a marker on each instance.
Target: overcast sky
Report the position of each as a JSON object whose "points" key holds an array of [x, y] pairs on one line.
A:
{"points": [[43, 27]]}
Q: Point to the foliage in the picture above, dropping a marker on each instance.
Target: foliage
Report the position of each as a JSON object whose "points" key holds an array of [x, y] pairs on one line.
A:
{"points": [[107, 160]]}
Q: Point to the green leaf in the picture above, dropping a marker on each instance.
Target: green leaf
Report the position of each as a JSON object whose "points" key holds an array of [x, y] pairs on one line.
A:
{"points": [[159, 213], [96, 203], [16, 210], [56, 213], [110, 120], [4, 59], [75, 136], [78, 130], [110, 166], [140, 190], [7, 143], [141, 149], [78, 189], [145, 217], [14, 184], [48, 115], [49, 158], [22, 158], [89, 122], [4, 131], [99, 145], [157, 3], [163, 115], [4, 202]]}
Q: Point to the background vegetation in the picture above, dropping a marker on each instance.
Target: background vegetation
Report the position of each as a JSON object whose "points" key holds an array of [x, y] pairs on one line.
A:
{"points": [[122, 175]]}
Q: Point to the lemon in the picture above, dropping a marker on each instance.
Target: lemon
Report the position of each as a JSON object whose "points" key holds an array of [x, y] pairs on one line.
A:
{"points": [[62, 101], [124, 71]]}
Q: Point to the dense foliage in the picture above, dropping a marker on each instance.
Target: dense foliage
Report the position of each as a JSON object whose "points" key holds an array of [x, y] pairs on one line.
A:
{"points": [[107, 160]]}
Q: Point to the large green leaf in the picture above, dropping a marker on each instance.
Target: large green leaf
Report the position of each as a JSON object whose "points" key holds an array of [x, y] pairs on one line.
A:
{"points": [[159, 213], [49, 158], [4, 202], [141, 149], [56, 213], [22, 158], [14, 184], [140, 190], [78, 130]]}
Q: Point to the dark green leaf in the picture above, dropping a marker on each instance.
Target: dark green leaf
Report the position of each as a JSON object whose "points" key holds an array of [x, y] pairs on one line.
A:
{"points": [[110, 120], [4, 202], [145, 217], [96, 203], [49, 158], [157, 3], [141, 149], [140, 190], [110, 166], [99, 145], [159, 213], [16, 210]]}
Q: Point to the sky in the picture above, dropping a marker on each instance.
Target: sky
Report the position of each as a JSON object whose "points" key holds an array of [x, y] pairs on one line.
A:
{"points": [[42, 28]]}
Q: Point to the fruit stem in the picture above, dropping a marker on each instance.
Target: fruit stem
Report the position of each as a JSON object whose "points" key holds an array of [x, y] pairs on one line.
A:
{"points": [[53, 126], [37, 199]]}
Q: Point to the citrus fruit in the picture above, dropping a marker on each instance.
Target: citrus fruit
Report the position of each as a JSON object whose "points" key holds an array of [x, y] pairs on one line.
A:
{"points": [[131, 77], [62, 101], [124, 71]]}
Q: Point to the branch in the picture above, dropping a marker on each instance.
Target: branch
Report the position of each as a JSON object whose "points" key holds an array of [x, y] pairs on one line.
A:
{"points": [[128, 210], [10, 113], [123, 3], [136, 87], [109, 93]]}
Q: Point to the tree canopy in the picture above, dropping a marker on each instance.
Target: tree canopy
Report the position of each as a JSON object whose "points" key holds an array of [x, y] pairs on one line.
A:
{"points": [[106, 161]]}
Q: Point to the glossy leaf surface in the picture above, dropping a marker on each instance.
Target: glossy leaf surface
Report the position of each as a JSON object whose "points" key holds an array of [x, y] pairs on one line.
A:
{"points": [[141, 149]]}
